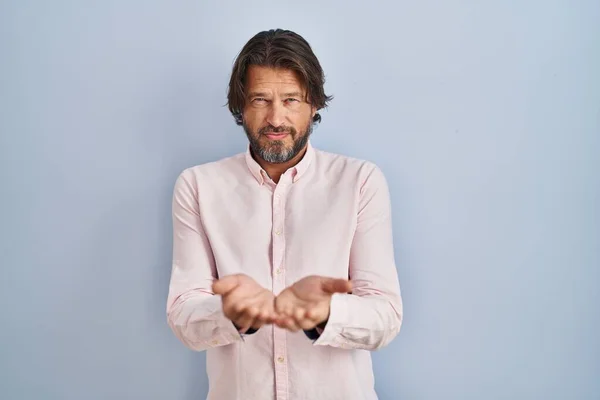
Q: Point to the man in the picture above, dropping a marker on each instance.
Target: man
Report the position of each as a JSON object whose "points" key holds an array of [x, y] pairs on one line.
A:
{"points": [[283, 261]]}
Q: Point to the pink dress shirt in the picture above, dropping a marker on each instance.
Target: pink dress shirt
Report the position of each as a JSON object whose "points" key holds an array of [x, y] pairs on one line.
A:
{"points": [[329, 215]]}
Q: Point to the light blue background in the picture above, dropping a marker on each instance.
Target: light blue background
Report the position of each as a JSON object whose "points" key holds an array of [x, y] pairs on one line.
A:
{"points": [[484, 116]]}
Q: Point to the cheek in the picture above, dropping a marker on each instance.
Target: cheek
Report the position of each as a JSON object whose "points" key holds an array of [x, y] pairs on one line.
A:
{"points": [[254, 118], [302, 118], [302, 123]]}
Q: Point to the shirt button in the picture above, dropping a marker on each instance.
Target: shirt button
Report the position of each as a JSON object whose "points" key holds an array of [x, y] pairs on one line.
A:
{"points": [[215, 342], [280, 359], [278, 271], [278, 232]]}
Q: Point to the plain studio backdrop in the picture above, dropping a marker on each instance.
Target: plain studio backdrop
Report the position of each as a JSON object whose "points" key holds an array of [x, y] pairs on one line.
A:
{"points": [[484, 116]]}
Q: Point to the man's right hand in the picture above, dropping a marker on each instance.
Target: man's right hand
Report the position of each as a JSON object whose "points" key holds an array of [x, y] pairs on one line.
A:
{"points": [[245, 302]]}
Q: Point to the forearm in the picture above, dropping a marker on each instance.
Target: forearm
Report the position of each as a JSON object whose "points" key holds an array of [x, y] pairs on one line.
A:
{"points": [[194, 313], [197, 319], [355, 322], [371, 316]]}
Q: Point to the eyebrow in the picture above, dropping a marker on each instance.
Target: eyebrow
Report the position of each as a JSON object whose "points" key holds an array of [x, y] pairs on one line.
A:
{"points": [[257, 94], [265, 94], [292, 94]]}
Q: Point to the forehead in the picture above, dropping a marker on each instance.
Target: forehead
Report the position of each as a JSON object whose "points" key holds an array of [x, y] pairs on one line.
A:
{"points": [[273, 78]]}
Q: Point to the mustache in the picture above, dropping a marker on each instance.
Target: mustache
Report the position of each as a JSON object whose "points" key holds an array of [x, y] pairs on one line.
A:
{"points": [[279, 129]]}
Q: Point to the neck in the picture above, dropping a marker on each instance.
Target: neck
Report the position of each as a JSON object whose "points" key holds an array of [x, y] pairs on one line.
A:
{"points": [[276, 170]]}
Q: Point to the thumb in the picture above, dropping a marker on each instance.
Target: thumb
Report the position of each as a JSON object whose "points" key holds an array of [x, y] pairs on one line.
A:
{"points": [[332, 285], [225, 284]]}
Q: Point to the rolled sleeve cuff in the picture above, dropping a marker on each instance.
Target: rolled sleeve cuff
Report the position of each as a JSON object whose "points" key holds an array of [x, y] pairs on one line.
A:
{"points": [[338, 318]]}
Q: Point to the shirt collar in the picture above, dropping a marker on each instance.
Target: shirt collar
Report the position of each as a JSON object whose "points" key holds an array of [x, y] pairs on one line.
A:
{"points": [[297, 170]]}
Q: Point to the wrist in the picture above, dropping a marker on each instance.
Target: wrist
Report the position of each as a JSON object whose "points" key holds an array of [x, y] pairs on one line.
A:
{"points": [[316, 331], [248, 331], [322, 324]]}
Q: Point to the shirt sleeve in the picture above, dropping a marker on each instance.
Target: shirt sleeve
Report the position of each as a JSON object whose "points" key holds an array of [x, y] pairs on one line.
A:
{"points": [[371, 316], [194, 312]]}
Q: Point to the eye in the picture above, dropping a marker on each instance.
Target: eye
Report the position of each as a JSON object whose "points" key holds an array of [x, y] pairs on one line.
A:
{"points": [[292, 100], [259, 100]]}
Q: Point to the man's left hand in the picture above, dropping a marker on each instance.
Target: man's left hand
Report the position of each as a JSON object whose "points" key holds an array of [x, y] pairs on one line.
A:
{"points": [[306, 303]]}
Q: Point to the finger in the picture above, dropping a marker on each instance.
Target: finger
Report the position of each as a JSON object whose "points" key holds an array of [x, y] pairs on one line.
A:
{"points": [[225, 284], [266, 316], [260, 320], [299, 314], [256, 325], [241, 305], [302, 319], [234, 304], [280, 303], [246, 318], [288, 310], [231, 312], [283, 306], [289, 324], [259, 308], [332, 285], [246, 306], [285, 322], [312, 314], [252, 312], [265, 306], [306, 324], [317, 314]]}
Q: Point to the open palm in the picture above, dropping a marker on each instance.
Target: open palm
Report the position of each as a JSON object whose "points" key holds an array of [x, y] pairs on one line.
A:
{"points": [[245, 302], [306, 303]]}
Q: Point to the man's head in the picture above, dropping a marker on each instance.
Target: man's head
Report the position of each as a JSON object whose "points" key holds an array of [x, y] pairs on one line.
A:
{"points": [[275, 92]]}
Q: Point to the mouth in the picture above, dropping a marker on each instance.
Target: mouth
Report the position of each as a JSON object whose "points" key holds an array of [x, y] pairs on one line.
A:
{"points": [[276, 136]]}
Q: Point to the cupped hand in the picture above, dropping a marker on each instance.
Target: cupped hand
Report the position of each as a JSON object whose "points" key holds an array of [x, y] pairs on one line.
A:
{"points": [[306, 304], [245, 302]]}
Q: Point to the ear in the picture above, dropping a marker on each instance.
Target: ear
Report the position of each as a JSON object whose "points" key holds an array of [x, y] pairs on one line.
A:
{"points": [[313, 111]]}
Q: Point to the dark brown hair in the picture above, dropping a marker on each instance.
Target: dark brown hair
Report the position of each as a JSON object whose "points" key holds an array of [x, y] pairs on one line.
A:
{"points": [[277, 48]]}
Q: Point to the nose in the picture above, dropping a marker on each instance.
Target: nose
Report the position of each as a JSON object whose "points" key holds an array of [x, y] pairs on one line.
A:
{"points": [[277, 114]]}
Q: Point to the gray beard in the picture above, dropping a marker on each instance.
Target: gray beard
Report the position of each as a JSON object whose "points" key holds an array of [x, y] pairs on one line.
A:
{"points": [[276, 153]]}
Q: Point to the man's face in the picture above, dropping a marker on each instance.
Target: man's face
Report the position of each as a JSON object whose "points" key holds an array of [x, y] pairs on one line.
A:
{"points": [[276, 117]]}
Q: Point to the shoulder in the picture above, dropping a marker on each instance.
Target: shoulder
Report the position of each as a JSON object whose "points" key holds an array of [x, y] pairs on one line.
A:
{"points": [[344, 167], [212, 172]]}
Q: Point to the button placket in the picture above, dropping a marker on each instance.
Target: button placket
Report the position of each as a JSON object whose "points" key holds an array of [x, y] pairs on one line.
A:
{"points": [[279, 335], [279, 196]]}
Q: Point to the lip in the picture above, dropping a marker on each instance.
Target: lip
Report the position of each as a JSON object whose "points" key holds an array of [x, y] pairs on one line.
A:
{"points": [[276, 136]]}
